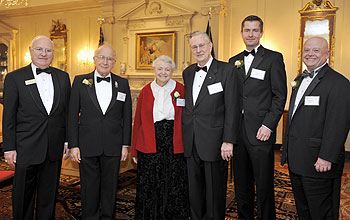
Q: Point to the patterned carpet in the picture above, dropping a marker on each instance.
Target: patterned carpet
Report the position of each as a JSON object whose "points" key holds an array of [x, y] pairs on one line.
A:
{"points": [[69, 206]]}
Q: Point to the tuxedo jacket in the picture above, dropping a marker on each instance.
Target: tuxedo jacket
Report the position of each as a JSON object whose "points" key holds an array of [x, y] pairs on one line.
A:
{"points": [[93, 132], [27, 127], [318, 128], [214, 118], [263, 94]]}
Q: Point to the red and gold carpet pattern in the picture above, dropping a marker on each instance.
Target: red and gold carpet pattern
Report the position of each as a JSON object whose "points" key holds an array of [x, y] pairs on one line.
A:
{"points": [[69, 206]]}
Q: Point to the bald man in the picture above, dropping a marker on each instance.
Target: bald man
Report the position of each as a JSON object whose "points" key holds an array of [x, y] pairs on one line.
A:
{"points": [[317, 126], [100, 136], [34, 127]]}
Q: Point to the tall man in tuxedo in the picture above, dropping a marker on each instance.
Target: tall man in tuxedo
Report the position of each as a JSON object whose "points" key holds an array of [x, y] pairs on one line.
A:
{"points": [[99, 137], [36, 99], [263, 95], [209, 125], [317, 126]]}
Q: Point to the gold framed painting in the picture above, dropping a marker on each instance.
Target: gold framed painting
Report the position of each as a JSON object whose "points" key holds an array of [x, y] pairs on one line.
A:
{"points": [[149, 46]]}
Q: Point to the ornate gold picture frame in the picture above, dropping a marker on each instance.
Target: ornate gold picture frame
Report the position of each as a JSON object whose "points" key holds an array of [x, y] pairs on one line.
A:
{"points": [[317, 19], [149, 46]]}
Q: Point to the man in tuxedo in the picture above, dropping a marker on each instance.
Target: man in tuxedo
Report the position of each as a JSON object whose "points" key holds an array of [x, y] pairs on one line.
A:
{"points": [[317, 126], [36, 99], [209, 125], [263, 95], [99, 132]]}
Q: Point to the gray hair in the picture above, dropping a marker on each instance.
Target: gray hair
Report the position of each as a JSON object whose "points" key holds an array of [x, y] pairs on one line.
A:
{"points": [[197, 33], [106, 45], [164, 59], [39, 37]]}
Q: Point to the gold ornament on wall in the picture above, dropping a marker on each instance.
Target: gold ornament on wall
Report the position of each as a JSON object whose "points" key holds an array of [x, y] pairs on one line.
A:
{"points": [[317, 18]]}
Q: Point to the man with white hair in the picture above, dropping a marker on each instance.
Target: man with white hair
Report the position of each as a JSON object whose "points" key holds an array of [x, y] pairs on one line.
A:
{"points": [[34, 129], [317, 126], [99, 132]]}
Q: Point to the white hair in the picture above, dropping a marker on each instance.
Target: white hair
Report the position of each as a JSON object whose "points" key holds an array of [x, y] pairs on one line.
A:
{"points": [[164, 59]]}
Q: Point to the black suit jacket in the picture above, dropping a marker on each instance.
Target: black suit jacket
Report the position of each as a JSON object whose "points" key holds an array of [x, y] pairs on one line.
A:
{"points": [[262, 100], [318, 131], [94, 133], [27, 128], [214, 118]]}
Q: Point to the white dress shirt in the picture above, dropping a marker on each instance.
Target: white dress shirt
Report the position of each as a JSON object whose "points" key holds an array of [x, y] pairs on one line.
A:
{"points": [[103, 91], [163, 107], [45, 86], [303, 87], [199, 79], [248, 60]]}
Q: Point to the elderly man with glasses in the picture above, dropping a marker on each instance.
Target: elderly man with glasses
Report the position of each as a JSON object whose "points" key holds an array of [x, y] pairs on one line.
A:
{"points": [[34, 127], [99, 126]]}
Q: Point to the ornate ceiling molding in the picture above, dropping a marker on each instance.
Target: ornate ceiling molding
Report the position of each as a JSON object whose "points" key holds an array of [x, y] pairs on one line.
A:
{"points": [[52, 8]]}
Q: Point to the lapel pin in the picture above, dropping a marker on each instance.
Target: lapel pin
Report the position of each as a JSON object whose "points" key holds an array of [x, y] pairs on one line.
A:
{"points": [[116, 84]]}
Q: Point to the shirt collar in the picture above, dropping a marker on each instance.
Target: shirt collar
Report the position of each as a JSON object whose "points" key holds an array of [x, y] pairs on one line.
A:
{"points": [[96, 74], [317, 70], [256, 49], [208, 64], [34, 67], [167, 86]]}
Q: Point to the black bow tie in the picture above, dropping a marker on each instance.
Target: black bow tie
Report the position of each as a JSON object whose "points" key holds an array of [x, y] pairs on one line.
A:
{"points": [[204, 68], [107, 79], [307, 74], [246, 53], [47, 70]]}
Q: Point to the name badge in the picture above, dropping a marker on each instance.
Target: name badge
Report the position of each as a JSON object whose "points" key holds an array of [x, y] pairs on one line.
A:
{"points": [[29, 82], [215, 88], [257, 74], [180, 102], [312, 100], [121, 96]]}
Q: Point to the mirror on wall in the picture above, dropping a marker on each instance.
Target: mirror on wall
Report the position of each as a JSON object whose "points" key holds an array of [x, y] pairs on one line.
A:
{"points": [[317, 19], [58, 35]]}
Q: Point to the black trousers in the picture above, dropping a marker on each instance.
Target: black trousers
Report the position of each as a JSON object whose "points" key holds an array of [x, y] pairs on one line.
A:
{"points": [[207, 187], [98, 179], [316, 198], [35, 186], [254, 164]]}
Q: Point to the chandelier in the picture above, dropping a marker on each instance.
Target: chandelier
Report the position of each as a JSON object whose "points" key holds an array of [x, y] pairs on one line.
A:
{"points": [[9, 3]]}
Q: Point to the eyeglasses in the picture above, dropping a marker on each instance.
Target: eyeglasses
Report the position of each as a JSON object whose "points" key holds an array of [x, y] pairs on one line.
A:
{"points": [[109, 59], [200, 46], [39, 50]]}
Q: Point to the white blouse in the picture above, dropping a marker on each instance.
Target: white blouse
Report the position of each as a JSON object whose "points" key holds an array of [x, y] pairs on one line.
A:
{"points": [[163, 107]]}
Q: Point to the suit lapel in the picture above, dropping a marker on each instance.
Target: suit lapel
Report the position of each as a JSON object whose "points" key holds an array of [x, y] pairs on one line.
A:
{"points": [[292, 98], [241, 70], [189, 92], [92, 92], [115, 89], [33, 89], [56, 91], [209, 79], [256, 61]]}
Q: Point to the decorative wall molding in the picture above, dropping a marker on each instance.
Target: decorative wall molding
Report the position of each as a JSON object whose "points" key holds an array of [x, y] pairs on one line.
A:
{"points": [[154, 16]]}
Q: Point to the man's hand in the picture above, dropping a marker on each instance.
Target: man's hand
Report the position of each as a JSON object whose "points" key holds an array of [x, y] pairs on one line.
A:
{"points": [[134, 159], [322, 165], [10, 157], [125, 153], [66, 151], [226, 151], [263, 133], [75, 154]]}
